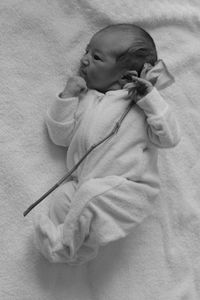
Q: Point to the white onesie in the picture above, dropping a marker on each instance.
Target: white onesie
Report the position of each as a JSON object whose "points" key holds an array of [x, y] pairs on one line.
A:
{"points": [[115, 186]]}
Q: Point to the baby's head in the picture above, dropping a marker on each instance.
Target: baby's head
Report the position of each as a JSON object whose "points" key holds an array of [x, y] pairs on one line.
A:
{"points": [[112, 52]]}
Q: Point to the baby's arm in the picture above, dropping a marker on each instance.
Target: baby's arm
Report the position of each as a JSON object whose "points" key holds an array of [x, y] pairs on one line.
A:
{"points": [[60, 118], [162, 127]]}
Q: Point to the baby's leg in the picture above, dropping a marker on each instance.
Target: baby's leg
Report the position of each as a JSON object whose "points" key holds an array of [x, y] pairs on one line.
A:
{"points": [[61, 202], [48, 229]]}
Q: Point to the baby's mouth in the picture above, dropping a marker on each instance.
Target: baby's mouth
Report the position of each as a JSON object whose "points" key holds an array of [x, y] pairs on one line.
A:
{"points": [[82, 72]]}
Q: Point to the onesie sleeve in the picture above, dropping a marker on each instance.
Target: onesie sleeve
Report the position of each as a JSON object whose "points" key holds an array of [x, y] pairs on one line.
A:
{"points": [[103, 210], [60, 120], [162, 127]]}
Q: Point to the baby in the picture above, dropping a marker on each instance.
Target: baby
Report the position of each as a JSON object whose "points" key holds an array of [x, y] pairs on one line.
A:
{"points": [[114, 188]]}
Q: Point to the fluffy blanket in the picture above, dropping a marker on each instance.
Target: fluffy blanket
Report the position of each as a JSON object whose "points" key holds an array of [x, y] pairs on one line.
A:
{"points": [[41, 44]]}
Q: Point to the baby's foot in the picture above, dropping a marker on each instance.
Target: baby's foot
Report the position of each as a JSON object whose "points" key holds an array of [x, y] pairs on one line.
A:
{"points": [[46, 230], [49, 239]]}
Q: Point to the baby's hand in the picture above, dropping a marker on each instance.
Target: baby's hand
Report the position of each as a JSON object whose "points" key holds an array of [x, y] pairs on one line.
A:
{"points": [[138, 87], [74, 87]]}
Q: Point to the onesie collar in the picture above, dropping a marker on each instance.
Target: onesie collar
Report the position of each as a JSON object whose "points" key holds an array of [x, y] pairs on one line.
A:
{"points": [[116, 93]]}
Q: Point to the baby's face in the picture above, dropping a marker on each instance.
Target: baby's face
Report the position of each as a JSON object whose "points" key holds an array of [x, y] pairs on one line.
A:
{"points": [[98, 65]]}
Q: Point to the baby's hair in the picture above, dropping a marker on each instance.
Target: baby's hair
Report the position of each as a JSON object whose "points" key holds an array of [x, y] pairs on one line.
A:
{"points": [[142, 49]]}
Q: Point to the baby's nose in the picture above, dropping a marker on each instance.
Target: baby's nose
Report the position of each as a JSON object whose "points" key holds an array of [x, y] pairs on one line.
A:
{"points": [[85, 60]]}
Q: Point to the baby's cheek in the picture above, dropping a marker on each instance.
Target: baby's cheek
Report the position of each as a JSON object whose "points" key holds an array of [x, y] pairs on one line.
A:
{"points": [[94, 80]]}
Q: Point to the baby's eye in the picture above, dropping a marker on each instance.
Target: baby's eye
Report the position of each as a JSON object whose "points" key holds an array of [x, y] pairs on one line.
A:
{"points": [[97, 57]]}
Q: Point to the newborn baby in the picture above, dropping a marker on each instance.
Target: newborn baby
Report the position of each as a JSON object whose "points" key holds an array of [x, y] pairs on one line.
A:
{"points": [[114, 188]]}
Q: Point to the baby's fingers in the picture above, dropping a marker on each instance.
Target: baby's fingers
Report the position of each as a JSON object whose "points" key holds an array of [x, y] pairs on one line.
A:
{"points": [[129, 85], [140, 81], [131, 73]]}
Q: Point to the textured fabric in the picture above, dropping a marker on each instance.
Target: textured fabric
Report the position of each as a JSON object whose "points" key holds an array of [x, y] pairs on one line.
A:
{"points": [[41, 45], [117, 183]]}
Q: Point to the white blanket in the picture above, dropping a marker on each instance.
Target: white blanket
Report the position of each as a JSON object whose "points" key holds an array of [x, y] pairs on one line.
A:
{"points": [[41, 44]]}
